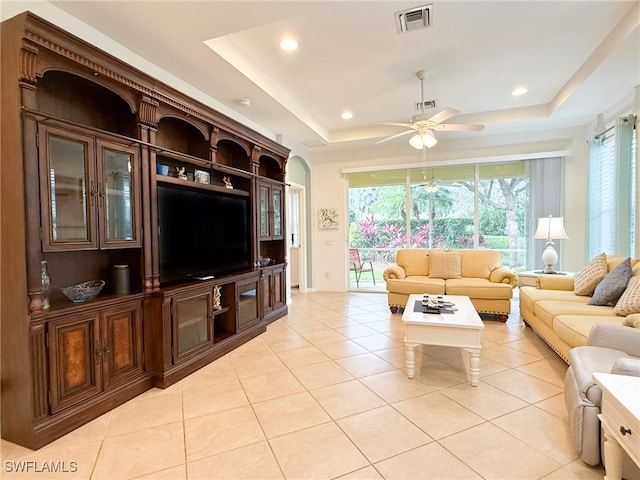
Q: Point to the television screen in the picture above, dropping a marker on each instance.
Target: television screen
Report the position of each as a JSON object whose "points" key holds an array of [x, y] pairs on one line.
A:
{"points": [[201, 233]]}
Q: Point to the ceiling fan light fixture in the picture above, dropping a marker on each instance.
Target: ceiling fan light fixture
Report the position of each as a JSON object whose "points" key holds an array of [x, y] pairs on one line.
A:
{"points": [[423, 139], [429, 139], [416, 142]]}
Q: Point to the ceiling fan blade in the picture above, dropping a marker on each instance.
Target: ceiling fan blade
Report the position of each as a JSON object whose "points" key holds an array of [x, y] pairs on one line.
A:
{"points": [[405, 125], [458, 127], [406, 132], [445, 114]]}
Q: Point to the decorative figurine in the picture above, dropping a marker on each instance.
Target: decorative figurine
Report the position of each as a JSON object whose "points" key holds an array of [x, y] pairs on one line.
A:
{"points": [[181, 174], [216, 298], [227, 182]]}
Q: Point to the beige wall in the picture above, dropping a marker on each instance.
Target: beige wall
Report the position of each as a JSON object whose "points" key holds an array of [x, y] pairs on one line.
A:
{"points": [[329, 188]]}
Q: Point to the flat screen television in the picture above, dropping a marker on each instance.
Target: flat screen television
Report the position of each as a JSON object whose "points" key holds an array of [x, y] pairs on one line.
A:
{"points": [[201, 233]]}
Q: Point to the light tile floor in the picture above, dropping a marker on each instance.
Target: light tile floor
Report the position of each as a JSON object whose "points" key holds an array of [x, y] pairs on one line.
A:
{"points": [[323, 394]]}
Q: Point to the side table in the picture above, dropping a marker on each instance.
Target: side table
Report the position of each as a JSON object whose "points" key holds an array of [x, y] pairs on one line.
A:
{"points": [[620, 419], [529, 278]]}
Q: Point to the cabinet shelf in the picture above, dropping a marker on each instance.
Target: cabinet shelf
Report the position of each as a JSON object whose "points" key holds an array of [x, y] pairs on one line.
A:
{"points": [[203, 163], [221, 311], [183, 157], [203, 186], [222, 336]]}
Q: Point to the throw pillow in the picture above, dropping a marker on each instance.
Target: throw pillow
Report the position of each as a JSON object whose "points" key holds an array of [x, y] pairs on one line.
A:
{"points": [[632, 320], [586, 280], [629, 302], [444, 264], [612, 285]]}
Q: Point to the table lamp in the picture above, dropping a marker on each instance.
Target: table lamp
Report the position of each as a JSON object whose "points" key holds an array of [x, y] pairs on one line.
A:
{"points": [[550, 229]]}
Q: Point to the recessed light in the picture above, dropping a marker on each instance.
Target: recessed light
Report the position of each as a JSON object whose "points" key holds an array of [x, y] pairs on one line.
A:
{"points": [[346, 115], [289, 44], [519, 91]]}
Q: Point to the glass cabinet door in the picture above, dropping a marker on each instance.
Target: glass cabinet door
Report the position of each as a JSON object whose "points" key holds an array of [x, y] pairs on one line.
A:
{"points": [[264, 211], [247, 304], [277, 212], [68, 188], [191, 320], [118, 196]]}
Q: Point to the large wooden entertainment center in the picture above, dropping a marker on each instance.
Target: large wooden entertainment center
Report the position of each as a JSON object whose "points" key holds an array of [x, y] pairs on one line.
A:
{"points": [[82, 135]]}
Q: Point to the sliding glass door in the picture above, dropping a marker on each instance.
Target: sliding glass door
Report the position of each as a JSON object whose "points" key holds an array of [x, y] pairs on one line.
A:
{"points": [[466, 206]]}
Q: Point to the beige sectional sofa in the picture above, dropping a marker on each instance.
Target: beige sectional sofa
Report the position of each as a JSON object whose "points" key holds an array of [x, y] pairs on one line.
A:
{"points": [[478, 274], [562, 318]]}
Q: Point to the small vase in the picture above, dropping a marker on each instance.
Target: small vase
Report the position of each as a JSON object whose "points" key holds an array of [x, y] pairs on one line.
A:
{"points": [[46, 284]]}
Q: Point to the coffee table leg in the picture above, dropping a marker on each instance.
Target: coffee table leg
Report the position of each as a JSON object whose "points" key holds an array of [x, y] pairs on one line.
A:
{"points": [[474, 366], [410, 351]]}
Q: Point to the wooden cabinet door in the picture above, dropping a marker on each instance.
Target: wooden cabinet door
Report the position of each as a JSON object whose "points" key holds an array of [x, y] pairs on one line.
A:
{"points": [[122, 355], [67, 190], [266, 299], [278, 288], [75, 359], [118, 196]]}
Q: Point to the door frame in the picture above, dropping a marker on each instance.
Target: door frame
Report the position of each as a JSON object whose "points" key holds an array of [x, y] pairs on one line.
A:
{"points": [[302, 265]]}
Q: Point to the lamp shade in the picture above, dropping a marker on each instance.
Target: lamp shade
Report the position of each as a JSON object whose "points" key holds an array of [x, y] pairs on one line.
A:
{"points": [[550, 228]]}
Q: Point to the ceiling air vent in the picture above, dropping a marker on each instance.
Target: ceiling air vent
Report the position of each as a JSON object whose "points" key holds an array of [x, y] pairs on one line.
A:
{"points": [[414, 18], [426, 104]]}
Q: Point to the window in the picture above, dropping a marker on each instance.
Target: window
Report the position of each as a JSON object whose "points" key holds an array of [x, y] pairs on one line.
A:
{"points": [[612, 190], [463, 206]]}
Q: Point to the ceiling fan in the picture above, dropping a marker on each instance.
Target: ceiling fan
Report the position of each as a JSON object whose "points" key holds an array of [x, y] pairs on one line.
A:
{"points": [[423, 126]]}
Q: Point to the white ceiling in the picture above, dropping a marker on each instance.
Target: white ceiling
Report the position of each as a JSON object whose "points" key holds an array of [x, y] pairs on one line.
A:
{"points": [[577, 59]]}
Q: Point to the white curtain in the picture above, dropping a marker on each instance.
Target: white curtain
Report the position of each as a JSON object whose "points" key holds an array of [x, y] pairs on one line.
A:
{"points": [[612, 190], [546, 180]]}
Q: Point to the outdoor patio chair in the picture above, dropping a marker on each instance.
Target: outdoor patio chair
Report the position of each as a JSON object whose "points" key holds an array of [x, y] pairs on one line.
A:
{"points": [[360, 266]]}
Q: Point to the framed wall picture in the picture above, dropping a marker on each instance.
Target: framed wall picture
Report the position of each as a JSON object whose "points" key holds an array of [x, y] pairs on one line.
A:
{"points": [[328, 219]]}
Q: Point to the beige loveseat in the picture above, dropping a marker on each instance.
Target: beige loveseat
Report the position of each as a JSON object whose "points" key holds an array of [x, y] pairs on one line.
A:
{"points": [[562, 318], [478, 274]]}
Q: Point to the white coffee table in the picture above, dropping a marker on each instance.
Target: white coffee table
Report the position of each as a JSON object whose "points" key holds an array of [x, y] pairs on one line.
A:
{"points": [[462, 329]]}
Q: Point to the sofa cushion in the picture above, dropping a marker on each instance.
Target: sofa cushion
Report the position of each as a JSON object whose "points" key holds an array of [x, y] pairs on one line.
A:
{"points": [[627, 366], [416, 284], [479, 263], [415, 261], [614, 260], [574, 329], [586, 280], [629, 302], [478, 288], [530, 295], [612, 285], [444, 264], [632, 320], [546, 310]]}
